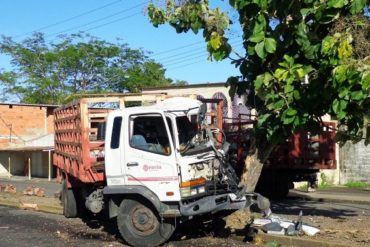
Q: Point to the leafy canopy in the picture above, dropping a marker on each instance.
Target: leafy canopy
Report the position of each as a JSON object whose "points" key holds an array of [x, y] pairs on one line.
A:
{"points": [[296, 68], [48, 72]]}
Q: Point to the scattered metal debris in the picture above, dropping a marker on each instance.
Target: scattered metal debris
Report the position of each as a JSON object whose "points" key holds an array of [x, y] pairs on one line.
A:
{"points": [[273, 224]]}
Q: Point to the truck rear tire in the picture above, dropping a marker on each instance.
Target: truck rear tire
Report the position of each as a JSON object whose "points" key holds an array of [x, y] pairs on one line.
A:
{"points": [[140, 225], [69, 202]]}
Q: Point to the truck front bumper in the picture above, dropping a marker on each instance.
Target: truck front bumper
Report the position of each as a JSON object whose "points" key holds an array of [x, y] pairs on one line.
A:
{"points": [[212, 204]]}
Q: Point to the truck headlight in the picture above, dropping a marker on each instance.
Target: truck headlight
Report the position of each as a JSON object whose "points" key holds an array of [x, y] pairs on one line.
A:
{"points": [[192, 187]]}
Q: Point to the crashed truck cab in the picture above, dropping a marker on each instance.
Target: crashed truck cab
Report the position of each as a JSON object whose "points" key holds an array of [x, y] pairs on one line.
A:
{"points": [[167, 154]]}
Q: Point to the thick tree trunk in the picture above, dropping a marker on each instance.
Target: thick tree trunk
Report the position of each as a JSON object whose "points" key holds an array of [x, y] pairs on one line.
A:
{"points": [[251, 172], [253, 164]]}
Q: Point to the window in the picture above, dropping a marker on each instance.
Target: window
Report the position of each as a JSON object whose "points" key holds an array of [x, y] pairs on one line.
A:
{"points": [[116, 133], [149, 133]]}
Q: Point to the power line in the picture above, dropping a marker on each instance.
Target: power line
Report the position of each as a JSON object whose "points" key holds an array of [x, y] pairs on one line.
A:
{"points": [[192, 52], [117, 20], [189, 57], [185, 46], [70, 18], [185, 65], [101, 19]]}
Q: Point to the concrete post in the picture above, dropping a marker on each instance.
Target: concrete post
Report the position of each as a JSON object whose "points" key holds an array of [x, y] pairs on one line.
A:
{"points": [[29, 168], [49, 156], [9, 168]]}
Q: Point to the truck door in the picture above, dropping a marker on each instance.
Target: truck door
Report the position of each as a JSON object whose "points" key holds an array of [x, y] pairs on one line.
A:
{"points": [[149, 156], [114, 168]]}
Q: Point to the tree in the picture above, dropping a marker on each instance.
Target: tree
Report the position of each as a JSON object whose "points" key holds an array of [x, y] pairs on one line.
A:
{"points": [[48, 72], [300, 65]]}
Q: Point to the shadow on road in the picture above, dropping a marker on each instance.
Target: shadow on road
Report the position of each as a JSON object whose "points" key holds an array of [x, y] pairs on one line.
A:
{"points": [[293, 205]]}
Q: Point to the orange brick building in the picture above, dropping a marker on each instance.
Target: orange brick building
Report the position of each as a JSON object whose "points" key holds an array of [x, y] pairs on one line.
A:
{"points": [[26, 139]]}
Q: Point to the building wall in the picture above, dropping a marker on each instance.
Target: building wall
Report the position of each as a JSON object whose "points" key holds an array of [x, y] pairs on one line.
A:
{"points": [[354, 162], [19, 123], [19, 163]]}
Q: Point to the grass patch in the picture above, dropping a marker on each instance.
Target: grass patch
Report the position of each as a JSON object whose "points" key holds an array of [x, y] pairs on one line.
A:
{"points": [[325, 183], [357, 184]]}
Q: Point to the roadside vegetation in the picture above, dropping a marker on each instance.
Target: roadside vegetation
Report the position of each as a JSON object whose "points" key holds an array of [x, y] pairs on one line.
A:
{"points": [[357, 184], [45, 72], [303, 59]]}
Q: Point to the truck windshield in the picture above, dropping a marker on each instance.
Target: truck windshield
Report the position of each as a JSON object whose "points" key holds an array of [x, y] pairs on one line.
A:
{"points": [[186, 131]]}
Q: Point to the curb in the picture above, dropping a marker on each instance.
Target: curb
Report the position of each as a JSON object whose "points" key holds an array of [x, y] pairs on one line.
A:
{"points": [[323, 199], [41, 207], [292, 241]]}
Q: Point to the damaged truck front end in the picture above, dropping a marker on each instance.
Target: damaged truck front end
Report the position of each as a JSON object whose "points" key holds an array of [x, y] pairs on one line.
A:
{"points": [[208, 183]]}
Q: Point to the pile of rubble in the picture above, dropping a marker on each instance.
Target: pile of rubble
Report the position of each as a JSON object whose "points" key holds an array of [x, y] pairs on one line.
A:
{"points": [[34, 191], [29, 191], [8, 188]]}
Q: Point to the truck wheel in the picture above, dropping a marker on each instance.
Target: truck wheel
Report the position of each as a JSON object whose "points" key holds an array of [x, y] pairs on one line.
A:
{"points": [[69, 202], [140, 225]]}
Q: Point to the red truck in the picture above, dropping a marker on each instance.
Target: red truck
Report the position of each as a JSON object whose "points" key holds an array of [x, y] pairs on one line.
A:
{"points": [[300, 158]]}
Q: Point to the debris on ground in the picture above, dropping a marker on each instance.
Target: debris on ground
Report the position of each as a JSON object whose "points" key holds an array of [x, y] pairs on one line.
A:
{"points": [[8, 188], [276, 225], [2, 187], [239, 219], [28, 206], [34, 191]]}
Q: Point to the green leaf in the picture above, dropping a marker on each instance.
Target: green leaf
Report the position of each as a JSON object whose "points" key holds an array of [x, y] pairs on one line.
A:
{"points": [[291, 112], [337, 3], [357, 95], [357, 6], [288, 120], [281, 74], [340, 73], [327, 45], [215, 41], [258, 82], [300, 73], [366, 81], [270, 45], [263, 118], [344, 49], [289, 59], [258, 37], [288, 88], [260, 50], [296, 95]]}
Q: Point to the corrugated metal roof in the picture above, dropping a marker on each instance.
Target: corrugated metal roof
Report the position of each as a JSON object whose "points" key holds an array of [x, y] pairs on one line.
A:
{"points": [[209, 84], [33, 105]]}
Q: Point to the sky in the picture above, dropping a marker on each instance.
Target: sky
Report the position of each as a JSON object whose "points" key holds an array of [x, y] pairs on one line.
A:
{"points": [[183, 55]]}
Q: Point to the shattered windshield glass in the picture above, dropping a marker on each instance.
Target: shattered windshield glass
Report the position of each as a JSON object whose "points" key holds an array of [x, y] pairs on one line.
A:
{"points": [[187, 131]]}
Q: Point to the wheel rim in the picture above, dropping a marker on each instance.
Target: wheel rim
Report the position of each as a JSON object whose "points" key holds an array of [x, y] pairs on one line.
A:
{"points": [[143, 220]]}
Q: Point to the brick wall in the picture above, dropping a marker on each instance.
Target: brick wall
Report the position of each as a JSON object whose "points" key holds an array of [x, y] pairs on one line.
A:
{"points": [[23, 122], [354, 162]]}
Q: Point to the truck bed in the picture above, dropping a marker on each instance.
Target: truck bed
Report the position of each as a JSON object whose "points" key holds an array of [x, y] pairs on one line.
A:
{"points": [[79, 145]]}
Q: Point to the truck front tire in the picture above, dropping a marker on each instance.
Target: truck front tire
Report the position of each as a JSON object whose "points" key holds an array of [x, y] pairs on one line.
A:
{"points": [[140, 225], [68, 201]]}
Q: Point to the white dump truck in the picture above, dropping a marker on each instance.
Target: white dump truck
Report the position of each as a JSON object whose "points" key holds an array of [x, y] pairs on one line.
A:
{"points": [[149, 166]]}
